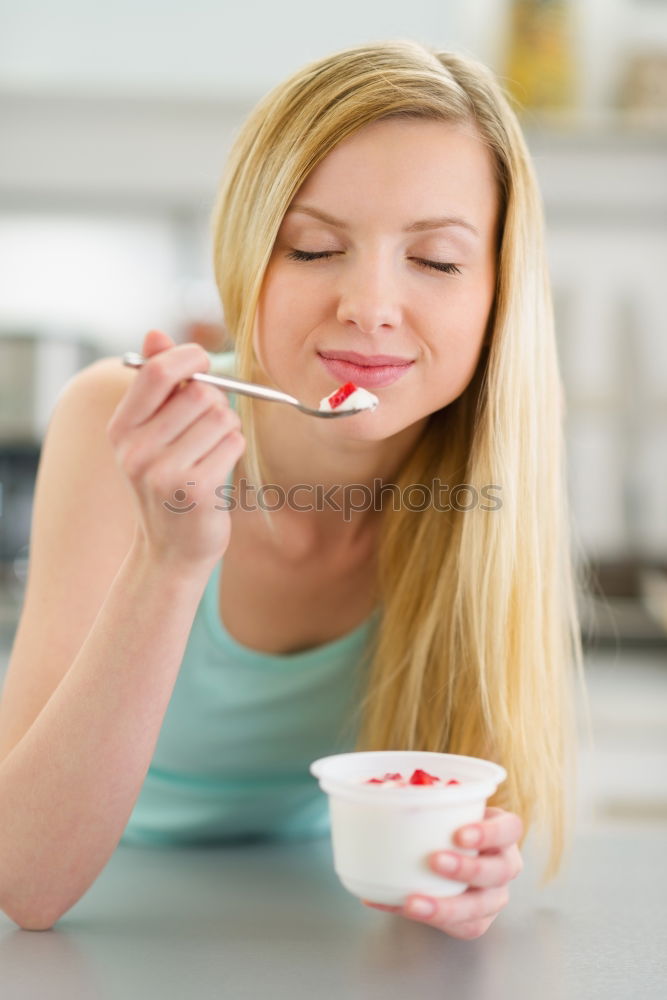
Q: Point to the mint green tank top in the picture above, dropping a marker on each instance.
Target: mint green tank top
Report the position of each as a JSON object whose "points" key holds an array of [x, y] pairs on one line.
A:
{"points": [[232, 757]]}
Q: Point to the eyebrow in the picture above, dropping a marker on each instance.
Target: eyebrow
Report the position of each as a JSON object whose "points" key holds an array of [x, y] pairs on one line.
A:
{"points": [[420, 226]]}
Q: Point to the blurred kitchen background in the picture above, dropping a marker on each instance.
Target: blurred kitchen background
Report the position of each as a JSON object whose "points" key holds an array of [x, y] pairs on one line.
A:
{"points": [[115, 123]]}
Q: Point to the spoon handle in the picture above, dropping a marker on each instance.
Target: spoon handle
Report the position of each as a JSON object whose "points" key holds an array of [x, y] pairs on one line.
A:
{"points": [[225, 382]]}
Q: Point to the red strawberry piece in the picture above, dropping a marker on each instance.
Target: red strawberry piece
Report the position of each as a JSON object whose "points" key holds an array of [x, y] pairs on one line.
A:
{"points": [[453, 782], [420, 777], [388, 777], [337, 397]]}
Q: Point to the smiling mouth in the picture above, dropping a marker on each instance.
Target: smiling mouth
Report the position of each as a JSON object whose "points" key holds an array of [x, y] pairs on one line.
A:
{"points": [[367, 376], [366, 361]]}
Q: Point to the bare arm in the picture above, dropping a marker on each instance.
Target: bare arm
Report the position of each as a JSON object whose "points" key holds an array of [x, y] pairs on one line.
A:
{"points": [[68, 787], [113, 585]]}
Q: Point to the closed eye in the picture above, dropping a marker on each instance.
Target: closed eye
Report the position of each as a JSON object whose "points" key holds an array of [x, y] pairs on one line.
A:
{"points": [[304, 255]]}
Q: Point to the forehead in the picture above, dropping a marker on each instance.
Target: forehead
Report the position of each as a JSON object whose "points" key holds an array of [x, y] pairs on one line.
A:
{"points": [[405, 169]]}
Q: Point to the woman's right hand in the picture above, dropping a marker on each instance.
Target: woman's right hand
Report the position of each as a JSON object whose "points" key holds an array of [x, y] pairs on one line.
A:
{"points": [[176, 443]]}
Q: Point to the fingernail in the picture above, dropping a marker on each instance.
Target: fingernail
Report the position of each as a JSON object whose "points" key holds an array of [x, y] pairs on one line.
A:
{"points": [[447, 863], [470, 837], [421, 907]]}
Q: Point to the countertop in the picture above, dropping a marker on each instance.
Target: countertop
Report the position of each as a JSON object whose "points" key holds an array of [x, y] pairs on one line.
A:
{"points": [[267, 919], [250, 920]]}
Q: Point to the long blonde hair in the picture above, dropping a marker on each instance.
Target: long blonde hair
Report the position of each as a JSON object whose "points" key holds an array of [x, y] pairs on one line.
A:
{"points": [[478, 643]]}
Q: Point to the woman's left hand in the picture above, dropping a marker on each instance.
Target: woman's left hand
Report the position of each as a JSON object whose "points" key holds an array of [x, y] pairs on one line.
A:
{"points": [[470, 914]]}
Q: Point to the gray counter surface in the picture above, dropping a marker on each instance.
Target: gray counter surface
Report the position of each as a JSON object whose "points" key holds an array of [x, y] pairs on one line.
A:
{"points": [[266, 919]]}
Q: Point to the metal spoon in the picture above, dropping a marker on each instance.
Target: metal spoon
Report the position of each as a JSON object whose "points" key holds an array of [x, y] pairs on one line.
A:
{"points": [[251, 389]]}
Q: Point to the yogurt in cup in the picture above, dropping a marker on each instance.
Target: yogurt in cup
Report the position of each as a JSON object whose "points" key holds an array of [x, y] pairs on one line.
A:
{"points": [[382, 835]]}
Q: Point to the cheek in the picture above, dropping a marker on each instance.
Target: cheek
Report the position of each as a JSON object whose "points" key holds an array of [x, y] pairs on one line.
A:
{"points": [[289, 307], [460, 360], [464, 322], [457, 349]]}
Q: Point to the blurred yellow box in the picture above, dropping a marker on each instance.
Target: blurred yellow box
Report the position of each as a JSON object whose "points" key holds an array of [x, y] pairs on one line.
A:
{"points": [[539, 64]]}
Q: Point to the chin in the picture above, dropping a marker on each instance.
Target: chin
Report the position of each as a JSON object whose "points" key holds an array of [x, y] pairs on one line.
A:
{"points": [[359, 428]]}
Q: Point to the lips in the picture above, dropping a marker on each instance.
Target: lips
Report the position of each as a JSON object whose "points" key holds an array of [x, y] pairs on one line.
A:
{"points": [[366, 360], [373, 376]]}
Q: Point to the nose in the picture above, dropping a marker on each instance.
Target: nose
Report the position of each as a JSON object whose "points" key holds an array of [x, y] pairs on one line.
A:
{"points": [[369, 296]]}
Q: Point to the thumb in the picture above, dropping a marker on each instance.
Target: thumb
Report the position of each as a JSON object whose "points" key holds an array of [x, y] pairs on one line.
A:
{"points": [[154, 342]]}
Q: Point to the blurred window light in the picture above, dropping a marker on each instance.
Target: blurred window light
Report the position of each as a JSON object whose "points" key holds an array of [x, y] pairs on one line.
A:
{"points": [[106, 276]]}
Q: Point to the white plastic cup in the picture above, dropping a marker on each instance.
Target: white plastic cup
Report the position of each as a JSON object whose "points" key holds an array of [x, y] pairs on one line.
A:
{"points": [[382, 836]]}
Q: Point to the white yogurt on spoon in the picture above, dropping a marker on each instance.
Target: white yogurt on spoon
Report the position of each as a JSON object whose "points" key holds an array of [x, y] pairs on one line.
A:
{"points": [[349, 397]]}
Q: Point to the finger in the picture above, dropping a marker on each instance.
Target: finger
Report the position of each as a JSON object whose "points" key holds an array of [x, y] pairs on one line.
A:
{"points": [[156, 379], [154, 342], [382, 906], [186, 405], [217, 459], [472, 929], [499, 828], [200, 438], [473, 904], [498, 867]]}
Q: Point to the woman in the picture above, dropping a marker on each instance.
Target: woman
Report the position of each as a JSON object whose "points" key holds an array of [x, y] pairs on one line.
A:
{"points": [[378, 204]]}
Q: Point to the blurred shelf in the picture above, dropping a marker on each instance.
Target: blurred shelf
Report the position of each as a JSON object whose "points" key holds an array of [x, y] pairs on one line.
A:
{"points": [[600, 129], [68, 150], [619, 622]]}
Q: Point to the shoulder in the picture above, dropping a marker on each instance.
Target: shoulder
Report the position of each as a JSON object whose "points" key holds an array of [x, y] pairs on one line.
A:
{"points": [[76, 441], [101, 383], [77, 458]]}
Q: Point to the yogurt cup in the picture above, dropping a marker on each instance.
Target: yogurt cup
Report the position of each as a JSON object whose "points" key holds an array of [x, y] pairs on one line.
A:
{"points": [[382, 836]]}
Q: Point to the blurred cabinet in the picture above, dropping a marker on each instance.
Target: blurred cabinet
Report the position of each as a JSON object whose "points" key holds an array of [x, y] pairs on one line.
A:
{"points": [[18, 469], [606, 207]]}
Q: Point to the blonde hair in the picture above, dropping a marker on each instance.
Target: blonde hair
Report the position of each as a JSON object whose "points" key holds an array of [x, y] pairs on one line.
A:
{"points": [[478, 643]]}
